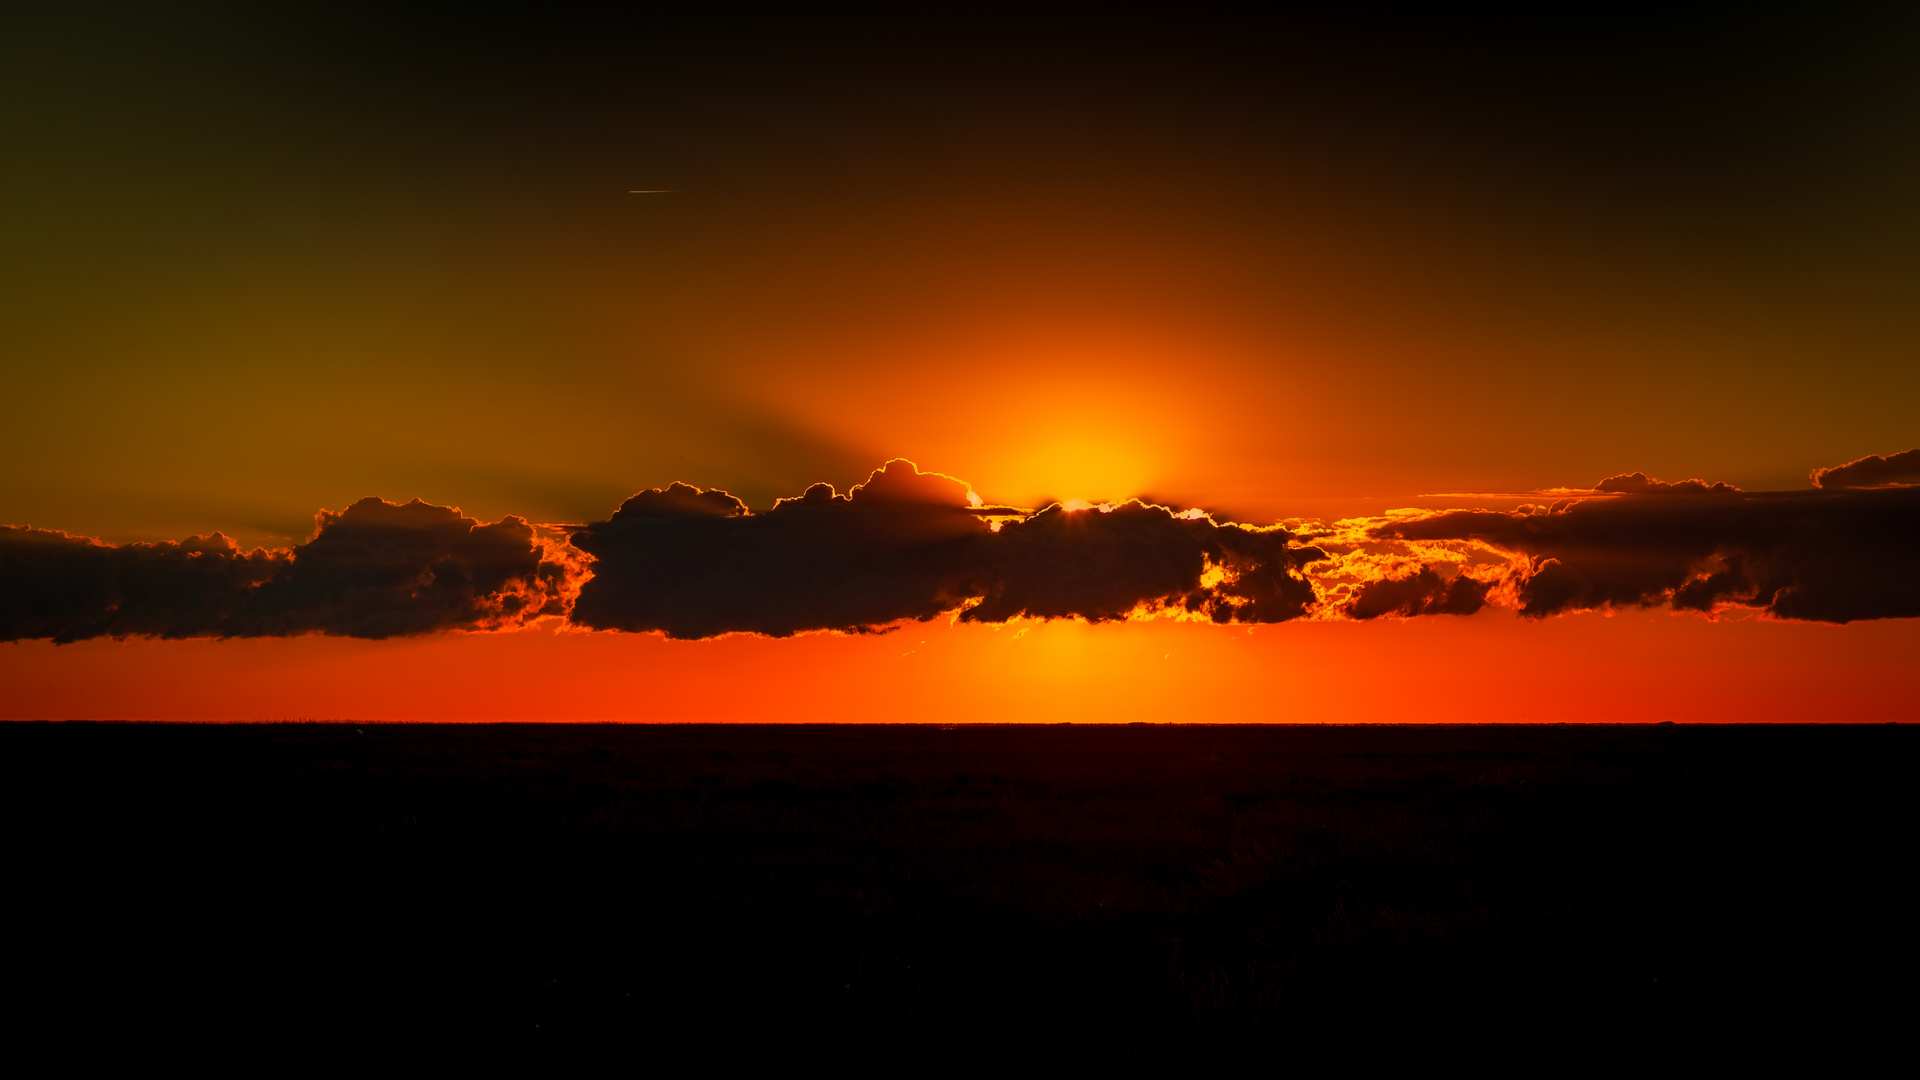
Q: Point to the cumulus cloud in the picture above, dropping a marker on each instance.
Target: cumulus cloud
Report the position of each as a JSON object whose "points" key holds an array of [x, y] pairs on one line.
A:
{"points": [[377, 569], [912, 545], [373, 570], [69, 588], [1640, 483], [908, 545], [1422, 592], [1874, 470], [1828, 555]]}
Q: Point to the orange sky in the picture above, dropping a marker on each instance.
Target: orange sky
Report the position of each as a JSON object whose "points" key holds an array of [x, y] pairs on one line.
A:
{"points": [[1490, 667], [259, 265]]}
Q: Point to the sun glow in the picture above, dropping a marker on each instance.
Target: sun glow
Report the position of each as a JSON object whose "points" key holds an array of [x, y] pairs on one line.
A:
{"points": [[1090, 469]]}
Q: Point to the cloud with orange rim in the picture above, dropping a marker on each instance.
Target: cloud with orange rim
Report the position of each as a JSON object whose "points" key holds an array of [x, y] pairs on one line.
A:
{"points": [[908, 545]]}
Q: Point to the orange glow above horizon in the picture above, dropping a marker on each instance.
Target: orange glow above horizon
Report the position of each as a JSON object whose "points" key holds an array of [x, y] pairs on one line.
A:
{"points": [[1492, 667], [1314, 270]]}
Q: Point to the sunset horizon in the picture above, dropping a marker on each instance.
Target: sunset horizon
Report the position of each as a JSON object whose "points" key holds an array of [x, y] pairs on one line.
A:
{"points": [[1310, 536], [1375, 279], [908, 553]]}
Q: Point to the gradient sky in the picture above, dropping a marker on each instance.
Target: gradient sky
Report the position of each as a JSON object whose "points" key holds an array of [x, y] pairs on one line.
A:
{"points": [[258, 263]]}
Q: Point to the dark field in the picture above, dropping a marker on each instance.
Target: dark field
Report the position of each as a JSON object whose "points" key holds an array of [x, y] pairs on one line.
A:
{"points": [[728, 891]]}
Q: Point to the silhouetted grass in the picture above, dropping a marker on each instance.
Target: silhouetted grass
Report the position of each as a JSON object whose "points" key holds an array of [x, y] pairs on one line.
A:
{"points": [[1113, 891]]}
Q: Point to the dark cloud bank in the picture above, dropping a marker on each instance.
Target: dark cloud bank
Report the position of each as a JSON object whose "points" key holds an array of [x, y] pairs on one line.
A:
{"points": [[1871, 471], [1830, 556], [373, 570], [908, 545]]}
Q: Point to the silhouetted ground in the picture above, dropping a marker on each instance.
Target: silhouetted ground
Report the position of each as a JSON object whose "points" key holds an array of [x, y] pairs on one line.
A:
{"points": [[1366, 892]]}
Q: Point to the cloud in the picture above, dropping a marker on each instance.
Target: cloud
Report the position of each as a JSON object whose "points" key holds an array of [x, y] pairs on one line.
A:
{"points": [[912, 545], [1640, 483], [377, 570], [373, 570], [1829, 555], [69, 588], [1871, 471], [908, 545], [1423, 592]]}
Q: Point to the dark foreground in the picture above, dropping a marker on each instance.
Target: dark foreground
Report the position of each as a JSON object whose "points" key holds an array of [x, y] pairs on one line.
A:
{"points": [[855, 891]]}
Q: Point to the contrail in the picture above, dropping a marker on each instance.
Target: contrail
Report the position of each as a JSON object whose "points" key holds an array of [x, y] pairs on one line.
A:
{"points": [[653, 191]]}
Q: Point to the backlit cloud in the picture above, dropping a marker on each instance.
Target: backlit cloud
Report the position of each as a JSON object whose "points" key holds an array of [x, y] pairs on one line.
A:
{"points": [[1825, 555], [1873, 470], [69, 588], [910, 545], [373, 570]]}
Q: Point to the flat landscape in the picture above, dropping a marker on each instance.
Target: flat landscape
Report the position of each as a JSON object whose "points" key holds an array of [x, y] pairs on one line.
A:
{"points": [[1075, 889]]}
